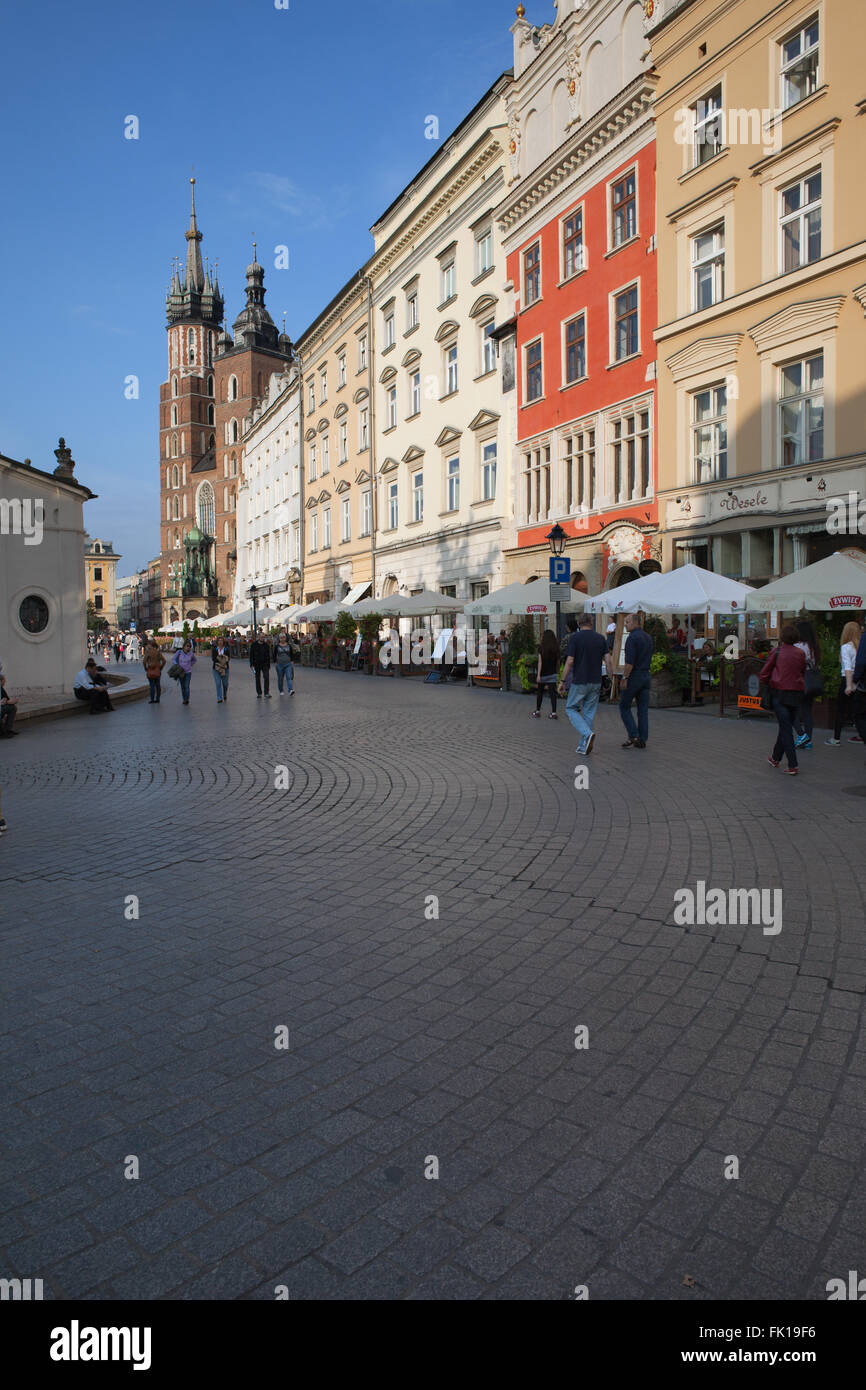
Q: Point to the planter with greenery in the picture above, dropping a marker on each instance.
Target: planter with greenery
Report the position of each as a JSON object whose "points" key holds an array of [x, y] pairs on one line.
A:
{"points": [[369, 627], [669, 670]]}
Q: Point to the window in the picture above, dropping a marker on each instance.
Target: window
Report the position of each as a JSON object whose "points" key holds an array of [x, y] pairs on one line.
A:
{"points": [[708, 267], [233, 388], [707, 126], [449, 280], [341, 369], [532, 274], [326, 454], [536, 483], [97, 573], [392, 407], [311, 403], [97, 602], [344, 441], [323, 385], [452, 473], [233, 432], [451, 369], [630, 447], [575, 349], [572, 245], [175, 476], [390, 337], [488, 471], [175, 509], [314, 532], [484, 251], [415, 393], [799, 65], [174, 415], [366, 512], [801, 411], [578, 452], [190, 346], [488, 348], [174, 386], [393, 507], [417, 496], [412, 310], [313, 464], [326, 529], [362, 352], [710, 434], [346, 519], [625, 334], [623, 209], [800, 222], [211, 418], [534, 372], [364, 428]]}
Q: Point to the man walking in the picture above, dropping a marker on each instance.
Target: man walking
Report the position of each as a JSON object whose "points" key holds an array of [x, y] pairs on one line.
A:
{"points": [[635, 683], [584, 664], [260, 661]]}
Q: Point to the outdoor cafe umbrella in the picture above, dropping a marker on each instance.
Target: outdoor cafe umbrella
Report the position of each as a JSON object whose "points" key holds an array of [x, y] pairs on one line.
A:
{"points": [[689, 589], [519, 599], [827, 586]]}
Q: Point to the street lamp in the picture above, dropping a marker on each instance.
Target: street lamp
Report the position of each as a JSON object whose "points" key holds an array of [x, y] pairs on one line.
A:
{"points": [[253, 592], [556, 540]]}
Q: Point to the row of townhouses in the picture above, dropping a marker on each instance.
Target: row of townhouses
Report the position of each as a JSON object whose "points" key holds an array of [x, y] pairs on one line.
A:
{"points": [[627, 295]]}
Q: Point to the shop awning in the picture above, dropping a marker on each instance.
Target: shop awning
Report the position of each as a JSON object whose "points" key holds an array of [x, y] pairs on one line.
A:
{"points": [[357, 593]]}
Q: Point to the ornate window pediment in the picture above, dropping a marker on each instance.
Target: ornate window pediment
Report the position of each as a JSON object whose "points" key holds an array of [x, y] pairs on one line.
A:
{"points": [[313, 502], [483, 305], [413, 453], [324, 496], [323, 425], [360, 395], [342, 409], [388, 375], [712, 354], [342, 486], [797, 321], [362, 476], [483, 418], [447, 330], [388, 465], [448, 436], [412, 356], [310, 434]]}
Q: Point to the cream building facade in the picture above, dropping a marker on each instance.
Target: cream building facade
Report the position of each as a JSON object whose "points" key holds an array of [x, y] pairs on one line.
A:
{"points": [[443, 492], [269, 510], [100, 573], [762, 279]]}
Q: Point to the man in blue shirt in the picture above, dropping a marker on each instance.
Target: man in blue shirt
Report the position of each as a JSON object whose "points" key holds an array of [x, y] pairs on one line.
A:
{"points": [[585, 656], [635, 683]]}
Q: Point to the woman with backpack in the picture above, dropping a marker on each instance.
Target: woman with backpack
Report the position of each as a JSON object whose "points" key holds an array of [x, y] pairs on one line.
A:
{"points": [[813, 683], [784, 673], [547, 673]]}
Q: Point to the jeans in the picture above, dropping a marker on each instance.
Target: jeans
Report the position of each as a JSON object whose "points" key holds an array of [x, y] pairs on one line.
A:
{"points": [[266, 672], [803, 715], [155, 688], [222, 685], [785, 738], [287, 674], [638, 689], [581, 707], [183, 681]]}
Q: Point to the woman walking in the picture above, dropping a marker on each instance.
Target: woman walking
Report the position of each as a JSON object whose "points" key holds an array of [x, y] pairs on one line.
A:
{"points": [[283, 663], [185, 659], [547, 673], [220, 658], [851, 634], [153, 664], [784, 673], [813, 683]]}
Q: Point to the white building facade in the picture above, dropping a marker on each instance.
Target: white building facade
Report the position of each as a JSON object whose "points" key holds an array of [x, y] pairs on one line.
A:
{"points": [[442, 433], [269, 499]]}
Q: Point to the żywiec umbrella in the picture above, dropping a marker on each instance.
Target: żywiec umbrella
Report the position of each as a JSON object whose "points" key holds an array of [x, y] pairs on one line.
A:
{"points": [[827, 586], [689, 589], [521, 599]]}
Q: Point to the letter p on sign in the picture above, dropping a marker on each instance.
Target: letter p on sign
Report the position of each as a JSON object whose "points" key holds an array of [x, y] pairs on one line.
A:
{"points": [[560, 569]]}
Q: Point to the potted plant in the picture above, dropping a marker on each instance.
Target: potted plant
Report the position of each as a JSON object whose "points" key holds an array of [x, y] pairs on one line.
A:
{"points": [[669, 670], [369, 626]]}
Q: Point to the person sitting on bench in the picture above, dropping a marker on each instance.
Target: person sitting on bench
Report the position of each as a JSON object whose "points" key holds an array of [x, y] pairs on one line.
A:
{"points": [[90, 685]]}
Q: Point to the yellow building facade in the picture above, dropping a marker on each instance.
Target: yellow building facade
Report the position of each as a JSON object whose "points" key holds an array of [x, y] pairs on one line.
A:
{"points": [[100, 575], [761, 234]]}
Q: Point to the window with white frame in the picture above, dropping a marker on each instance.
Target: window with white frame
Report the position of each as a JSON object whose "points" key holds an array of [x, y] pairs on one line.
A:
{"points": [[625, 323], [574, 346], [536, 483], [623, 209], [346, 519], [414, 393], [573, 254], [296, 541], [449, 280], [484, 251], [363, 428], [578, 453], [323, 385], [326, 454], [708, 267], [392, 407], [366, 512], [411, 310], [314, 532], [532, 274], [362, 352], [418, 496], [326, 528], [488, 348], [393, 506], [311, 403], [799, 63], [341, 369], [313, 464], [344, 441], [801, 411], [709, 434], [452, 478], [390, 335], [488, 471], [630, 454], [707, 126], [450, 369], [534, 371], [800, 222]]}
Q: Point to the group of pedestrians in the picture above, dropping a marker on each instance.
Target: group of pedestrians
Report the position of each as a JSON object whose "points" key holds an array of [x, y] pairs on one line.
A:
{"points": [[793, 677], [588, 663], [279, 654]]}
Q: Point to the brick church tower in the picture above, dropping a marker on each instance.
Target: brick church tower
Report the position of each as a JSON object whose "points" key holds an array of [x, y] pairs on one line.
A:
{"points": [[214, 383]]}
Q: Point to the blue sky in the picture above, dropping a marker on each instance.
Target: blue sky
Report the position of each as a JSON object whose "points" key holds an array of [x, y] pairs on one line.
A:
{"points": [[302, 126]]}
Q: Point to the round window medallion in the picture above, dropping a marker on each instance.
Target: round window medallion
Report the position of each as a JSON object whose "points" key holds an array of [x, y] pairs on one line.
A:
{"points": [[33, 614]]}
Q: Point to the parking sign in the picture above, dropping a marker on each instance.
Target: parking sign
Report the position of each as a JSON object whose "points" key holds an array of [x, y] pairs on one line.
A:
{"points": [[560, 569]]}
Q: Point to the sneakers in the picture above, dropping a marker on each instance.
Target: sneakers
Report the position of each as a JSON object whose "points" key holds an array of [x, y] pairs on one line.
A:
{"points": [[536, 714], [630, 743], [802, 741], [589, 742], [791, 771], [772, 762], [832, 742], [855, 739], [553, 716]]}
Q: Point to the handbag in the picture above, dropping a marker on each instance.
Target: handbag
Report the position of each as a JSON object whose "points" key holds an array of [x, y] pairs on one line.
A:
{"points": [[175, 671], [814, 683]]}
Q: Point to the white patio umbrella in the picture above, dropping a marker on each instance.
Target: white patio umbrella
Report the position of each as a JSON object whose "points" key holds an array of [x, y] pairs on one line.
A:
{"points": [[244, 617], [173, 627], [689, 589], [518, 599], [828, 586], [287, 615]]}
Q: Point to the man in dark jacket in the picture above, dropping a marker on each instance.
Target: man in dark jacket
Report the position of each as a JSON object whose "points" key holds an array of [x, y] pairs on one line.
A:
{"points": [[260, 661]]}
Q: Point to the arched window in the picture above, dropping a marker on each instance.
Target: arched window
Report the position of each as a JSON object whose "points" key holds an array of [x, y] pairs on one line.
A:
{"points": [[168, 509], [225, 499], [174, 446], [210, 385], [175, 476], [211, 444], [234, 467], [211, 417], [177, 540], [233, 432], [190, 346], [209, 348], [206, 510], [174, 415], [175, 514], [183, 475], [225, 531], [168, 477], [174, 386], [233, 388]]}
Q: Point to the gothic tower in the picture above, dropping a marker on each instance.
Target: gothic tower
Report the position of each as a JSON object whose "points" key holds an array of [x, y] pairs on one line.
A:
{"points": [[192, 586]]}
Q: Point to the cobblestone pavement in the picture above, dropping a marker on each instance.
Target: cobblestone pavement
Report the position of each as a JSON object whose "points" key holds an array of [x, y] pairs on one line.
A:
{"points": [[411, 1037]]}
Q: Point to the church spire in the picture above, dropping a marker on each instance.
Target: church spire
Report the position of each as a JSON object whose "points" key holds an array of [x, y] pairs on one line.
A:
{"points": [[193, 295], [194, 271]]}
